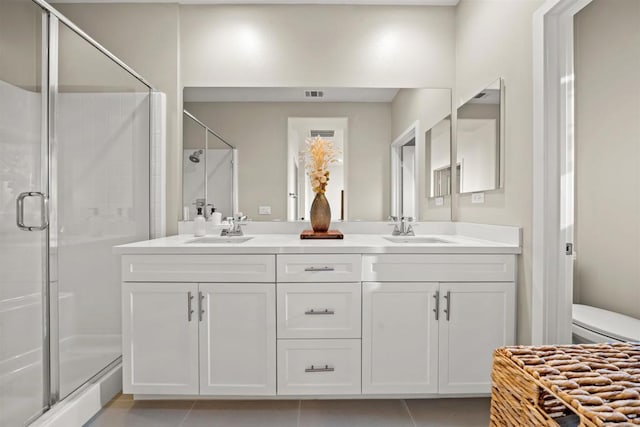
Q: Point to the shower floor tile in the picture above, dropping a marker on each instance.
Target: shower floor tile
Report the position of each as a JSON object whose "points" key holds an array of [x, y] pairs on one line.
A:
{"points": [[123, 411]]}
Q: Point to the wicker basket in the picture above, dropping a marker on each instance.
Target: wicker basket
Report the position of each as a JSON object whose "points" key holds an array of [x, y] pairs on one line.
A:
{"points": [[572, 385]]}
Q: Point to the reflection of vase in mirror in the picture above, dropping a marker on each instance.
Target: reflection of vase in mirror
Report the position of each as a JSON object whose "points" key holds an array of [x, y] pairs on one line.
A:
{"points": [[320, 213]]}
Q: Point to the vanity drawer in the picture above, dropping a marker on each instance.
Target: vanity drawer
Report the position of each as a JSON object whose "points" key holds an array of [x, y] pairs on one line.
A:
{"points": [[316, 367], [319, 268], [319, 310], [439, 268], [199, 268]]}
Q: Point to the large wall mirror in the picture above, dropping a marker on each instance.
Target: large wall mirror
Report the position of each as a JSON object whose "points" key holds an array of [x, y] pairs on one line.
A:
{"points": [[480, 140], [269, 127]]}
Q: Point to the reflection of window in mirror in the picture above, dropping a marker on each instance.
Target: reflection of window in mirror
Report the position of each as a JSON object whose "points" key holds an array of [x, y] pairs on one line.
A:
{"points": [[300, 129], [478, 140]]}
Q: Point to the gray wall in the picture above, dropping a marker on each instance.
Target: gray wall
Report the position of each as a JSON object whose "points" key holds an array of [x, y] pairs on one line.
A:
{"points": [[607, 79], [299, 45], [259, 131], [494, 39]]}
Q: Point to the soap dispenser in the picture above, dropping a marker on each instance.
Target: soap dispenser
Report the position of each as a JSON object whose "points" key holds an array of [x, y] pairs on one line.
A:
{"points": [[215, 217], [199, 224]]}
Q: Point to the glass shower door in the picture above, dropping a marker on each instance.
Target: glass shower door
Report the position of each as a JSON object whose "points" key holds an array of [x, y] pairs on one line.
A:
{"points": [[100, 165], [23, 235]]}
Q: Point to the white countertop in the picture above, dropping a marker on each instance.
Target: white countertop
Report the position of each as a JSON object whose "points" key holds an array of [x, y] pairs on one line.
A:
{"points": [[292, 244]]}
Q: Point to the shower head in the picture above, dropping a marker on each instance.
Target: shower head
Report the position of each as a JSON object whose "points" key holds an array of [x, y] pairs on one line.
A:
{"points": [[195, 156]]}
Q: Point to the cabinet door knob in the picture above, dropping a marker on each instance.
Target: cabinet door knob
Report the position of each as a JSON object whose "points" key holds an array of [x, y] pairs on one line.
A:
{"points": [[436, 310]]}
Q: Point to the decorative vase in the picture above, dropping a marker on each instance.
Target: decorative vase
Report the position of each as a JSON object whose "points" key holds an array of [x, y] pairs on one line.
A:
{"points": [[320, 214]]}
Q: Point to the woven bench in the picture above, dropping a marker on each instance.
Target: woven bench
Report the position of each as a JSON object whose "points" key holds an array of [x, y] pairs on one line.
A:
{"points": [[566, 385]]}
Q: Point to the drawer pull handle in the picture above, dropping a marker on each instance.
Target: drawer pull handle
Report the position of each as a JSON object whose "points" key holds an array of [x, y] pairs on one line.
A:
{"points": [[319, 269], [326, 368], [436, 310], [325, 311]]}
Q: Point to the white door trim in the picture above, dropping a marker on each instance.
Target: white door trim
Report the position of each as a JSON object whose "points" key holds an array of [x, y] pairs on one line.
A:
{"points": [[553, 110], [412, 132]]}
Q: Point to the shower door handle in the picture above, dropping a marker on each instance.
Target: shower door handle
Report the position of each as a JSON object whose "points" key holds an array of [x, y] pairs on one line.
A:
{"points": [[44, 211]]}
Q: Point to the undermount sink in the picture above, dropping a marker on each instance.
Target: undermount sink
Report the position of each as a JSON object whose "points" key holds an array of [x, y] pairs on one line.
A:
{"points": [[417, 239], [220, 239]]}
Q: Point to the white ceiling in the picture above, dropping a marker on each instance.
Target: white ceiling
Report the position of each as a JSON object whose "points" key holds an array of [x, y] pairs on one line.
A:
{"points": [[286, 94], [338, 2]]}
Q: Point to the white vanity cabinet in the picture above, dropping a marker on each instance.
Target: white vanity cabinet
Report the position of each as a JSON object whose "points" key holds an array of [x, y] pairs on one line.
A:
{"points": [[202, 338], [431, 322], [314, 325]]}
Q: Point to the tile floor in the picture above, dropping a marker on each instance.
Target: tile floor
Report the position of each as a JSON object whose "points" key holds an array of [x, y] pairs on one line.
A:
{"points": [[125, 412]]}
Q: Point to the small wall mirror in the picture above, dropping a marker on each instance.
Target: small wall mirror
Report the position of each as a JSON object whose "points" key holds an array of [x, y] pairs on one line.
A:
{"points": [[480, 141], [269, 125]]}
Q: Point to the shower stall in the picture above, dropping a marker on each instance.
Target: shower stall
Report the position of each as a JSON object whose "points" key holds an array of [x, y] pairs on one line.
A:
{"points": [[74, 182]]}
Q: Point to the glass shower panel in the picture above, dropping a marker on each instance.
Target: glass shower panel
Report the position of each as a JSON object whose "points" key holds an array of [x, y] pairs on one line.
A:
{"points": [[22, 253], [102, 199]]}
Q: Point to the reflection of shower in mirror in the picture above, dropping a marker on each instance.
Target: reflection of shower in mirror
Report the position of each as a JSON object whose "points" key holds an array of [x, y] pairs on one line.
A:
{"points": [[195, 156]]}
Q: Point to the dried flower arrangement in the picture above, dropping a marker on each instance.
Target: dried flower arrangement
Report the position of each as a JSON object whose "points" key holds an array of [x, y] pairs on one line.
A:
{"points": [[319, 155]]}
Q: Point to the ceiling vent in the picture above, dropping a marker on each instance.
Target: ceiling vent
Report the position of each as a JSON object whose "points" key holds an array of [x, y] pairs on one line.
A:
{"points": [[322, 133], [480, 95], [314, 94]]}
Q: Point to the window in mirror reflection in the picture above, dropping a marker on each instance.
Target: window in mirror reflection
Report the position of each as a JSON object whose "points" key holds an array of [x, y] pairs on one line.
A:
{"points": [[479, 142], [300, 193]]}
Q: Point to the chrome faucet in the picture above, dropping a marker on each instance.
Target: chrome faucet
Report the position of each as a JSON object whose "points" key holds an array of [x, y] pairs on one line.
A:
{"points": [[234, 226], [402, 227]]}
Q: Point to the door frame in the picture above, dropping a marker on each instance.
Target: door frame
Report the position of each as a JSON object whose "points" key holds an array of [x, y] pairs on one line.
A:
{"points": [[553, 168], [412, 132]]}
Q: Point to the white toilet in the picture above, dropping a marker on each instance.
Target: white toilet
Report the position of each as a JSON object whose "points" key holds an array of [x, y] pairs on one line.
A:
{"points": [[594, 325]]}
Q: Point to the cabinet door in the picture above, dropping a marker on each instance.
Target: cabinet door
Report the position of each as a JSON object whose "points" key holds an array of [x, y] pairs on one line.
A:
{"points": [[238, 339], [399, 338], [160, 338], [478, 318]]}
